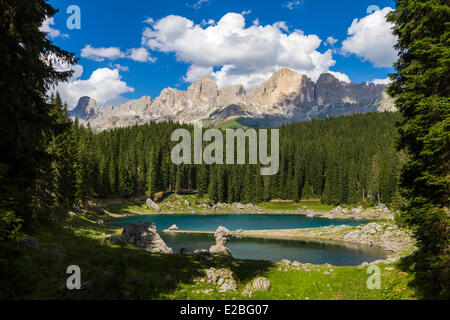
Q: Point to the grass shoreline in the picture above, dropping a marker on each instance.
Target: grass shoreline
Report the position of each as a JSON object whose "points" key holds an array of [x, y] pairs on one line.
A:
{"points": [[123, 272], [192, 204], [304, 208], [117, 272], [304, 282]]}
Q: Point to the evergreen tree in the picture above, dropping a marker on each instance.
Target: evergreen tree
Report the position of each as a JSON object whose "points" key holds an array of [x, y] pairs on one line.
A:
{"points": [[212, 189], [337, 166], [421, 91], [27, 73], [202, 179]]}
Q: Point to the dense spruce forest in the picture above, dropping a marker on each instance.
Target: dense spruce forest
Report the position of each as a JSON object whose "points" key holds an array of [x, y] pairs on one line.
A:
{"points": [[345, 160], [49, 164]]}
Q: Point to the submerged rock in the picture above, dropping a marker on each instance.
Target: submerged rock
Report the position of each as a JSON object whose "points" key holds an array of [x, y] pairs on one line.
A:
{"points": [[144, 235]]}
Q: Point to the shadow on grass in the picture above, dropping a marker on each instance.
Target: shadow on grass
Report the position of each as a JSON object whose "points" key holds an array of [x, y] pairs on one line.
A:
{"points": [[106, 272], [124, 208], [163, 196], [430, 283]]}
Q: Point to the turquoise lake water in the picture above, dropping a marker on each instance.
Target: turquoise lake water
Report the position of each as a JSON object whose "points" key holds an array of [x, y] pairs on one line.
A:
{"points": [[210, 222], [261, 248], [275, 250]]}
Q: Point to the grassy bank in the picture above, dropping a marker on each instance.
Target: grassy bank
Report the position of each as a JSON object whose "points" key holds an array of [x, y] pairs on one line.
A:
{"points": [[293, 206], [114, 272], [182, 204], [176, 204]]}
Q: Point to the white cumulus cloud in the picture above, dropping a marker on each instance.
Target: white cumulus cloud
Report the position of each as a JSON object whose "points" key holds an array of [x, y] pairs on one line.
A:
{"points": [[295, 4], [119, 66], [51, 32], [100, 54], [210, 22], [371, 39], [149, 21], [196, 72], [331, 41], [382, 81], [114, 53], [198, 4], [104, 85], [340, 76], [141, 55], [232, 53]]}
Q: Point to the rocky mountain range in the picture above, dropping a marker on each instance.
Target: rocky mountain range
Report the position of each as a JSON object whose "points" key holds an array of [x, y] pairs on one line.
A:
{"points": [[286, 97]]}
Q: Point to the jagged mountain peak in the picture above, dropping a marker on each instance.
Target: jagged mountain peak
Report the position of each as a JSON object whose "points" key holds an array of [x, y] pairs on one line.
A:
{"points": [[286, 73], [86, 109], [203, 91], [327, 78], [285, 97], [205, 79], [281, 91]]}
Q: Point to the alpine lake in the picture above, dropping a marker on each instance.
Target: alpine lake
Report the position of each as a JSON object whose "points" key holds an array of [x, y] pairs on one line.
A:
{"points": [[305, 251]]}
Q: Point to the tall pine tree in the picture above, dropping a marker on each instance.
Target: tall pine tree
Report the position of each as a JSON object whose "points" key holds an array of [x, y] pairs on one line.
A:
{"points": [[421, 87]]}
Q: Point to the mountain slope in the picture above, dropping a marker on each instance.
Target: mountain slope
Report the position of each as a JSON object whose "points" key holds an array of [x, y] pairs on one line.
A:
{"points": [[286, 97]]}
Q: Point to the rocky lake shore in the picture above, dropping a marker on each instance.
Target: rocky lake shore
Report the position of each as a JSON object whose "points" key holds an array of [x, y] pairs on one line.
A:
{"points": [[89, 238], [396, 241], [380, 232], [175, 204]]}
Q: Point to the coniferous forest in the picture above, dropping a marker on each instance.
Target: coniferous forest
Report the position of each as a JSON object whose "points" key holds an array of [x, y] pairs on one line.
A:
{"points": [[50, 164], [345, 160]]}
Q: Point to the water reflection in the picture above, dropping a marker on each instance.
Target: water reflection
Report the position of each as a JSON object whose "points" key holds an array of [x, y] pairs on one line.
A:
{"points": [[315, 252]]}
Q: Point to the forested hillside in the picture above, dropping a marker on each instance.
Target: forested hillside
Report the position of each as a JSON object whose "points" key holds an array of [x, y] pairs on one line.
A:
{"points": [[349, 159]]}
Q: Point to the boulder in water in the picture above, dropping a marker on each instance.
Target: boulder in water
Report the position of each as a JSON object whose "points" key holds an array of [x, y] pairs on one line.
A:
{"points": [[222, 235], [221, 250], [172, 229]]}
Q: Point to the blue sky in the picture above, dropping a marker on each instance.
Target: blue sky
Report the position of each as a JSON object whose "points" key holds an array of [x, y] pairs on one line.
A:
{"points": [[123, 57]]}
